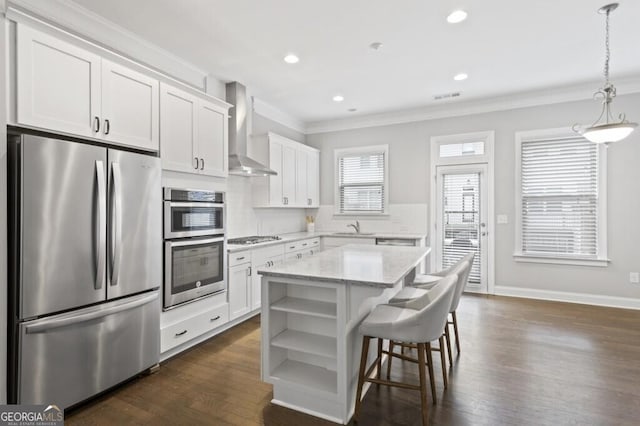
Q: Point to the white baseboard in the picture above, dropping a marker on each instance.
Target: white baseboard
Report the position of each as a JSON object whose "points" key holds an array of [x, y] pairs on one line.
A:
{"points": [[562, 296]]}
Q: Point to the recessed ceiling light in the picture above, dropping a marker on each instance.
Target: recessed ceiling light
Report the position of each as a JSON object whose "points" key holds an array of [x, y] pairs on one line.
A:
{"points": [[338, 98], [291, 59], [375, 45], [456, 16], [460, 77]]}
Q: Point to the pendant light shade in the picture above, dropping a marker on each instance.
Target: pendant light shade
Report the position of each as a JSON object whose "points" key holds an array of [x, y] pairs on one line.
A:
{"points": [[606, 133], [606, 129]]}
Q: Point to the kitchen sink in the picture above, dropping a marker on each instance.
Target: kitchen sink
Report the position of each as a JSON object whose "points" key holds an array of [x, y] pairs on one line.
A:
{"points": [[352, 233]]}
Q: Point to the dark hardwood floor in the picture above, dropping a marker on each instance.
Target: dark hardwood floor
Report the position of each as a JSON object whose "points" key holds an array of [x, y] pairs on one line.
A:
{"points": [[523, 362]]}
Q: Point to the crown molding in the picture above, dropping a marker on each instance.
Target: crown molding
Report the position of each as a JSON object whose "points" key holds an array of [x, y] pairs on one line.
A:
{"points": [[548, 96], [266, 110], [88, 25]]}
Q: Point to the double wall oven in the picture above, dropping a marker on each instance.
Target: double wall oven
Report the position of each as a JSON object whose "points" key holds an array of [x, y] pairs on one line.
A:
{"points": [[194, 245]]}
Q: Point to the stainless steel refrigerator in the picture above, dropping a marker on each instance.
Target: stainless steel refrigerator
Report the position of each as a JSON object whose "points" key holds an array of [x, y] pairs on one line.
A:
{"points": [[85, 235]]}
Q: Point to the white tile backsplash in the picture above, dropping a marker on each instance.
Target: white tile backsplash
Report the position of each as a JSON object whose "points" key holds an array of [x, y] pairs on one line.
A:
{"points": [[244, 220], [402, 218]]}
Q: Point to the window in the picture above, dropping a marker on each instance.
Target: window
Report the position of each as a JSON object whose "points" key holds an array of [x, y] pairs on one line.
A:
{"points": [[361, 176], [561, 198]]}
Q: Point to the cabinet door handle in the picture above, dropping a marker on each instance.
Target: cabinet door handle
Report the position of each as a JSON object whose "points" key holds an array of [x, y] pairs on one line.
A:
{"points": [[96, 124], [249, 271], [196, 166], [309, 201], [215, 318], [107, 127], [240, 258], [304, 245], [202, 164], [182, 333]]}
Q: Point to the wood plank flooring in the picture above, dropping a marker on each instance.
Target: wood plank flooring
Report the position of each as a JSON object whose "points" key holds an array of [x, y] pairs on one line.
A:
{"points": [[523, 362]]}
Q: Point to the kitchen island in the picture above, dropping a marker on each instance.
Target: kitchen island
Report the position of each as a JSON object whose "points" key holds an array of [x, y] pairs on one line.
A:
{"points": [[311, 311]]}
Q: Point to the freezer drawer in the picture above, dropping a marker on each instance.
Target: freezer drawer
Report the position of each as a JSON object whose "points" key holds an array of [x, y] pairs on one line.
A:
{"points": [[70, 357]]}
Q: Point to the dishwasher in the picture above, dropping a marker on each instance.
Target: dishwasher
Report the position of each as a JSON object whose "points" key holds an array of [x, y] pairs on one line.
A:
{"points": [[395, 242]]}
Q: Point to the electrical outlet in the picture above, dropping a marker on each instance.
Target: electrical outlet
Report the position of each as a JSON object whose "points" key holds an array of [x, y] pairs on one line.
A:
{"points": [[634, 277]]}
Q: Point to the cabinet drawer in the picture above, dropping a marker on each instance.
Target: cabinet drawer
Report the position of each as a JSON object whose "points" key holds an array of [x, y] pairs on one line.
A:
{"points": [[260, 255], [192, 327], [292, 246], [239, 258]]}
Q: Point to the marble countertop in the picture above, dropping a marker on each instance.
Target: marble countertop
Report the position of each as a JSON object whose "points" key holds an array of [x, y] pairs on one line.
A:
{"points": [[379, 266], [297, 236]]}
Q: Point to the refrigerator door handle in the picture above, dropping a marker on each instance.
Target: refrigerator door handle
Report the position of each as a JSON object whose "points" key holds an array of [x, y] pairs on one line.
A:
{"points": [[101, 237], [116, 224], [89, 314]]}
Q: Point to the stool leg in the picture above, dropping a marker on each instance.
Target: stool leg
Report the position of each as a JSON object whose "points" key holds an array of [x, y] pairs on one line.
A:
{"points": [[431, 378], [423, 383], [391, 345], [363, 368], [455, 330], [448, 339], [379, 360], [444, 362]]}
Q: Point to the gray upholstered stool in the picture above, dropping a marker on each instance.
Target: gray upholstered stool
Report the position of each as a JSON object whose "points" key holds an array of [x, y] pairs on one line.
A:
{"points": [[419, 322]]}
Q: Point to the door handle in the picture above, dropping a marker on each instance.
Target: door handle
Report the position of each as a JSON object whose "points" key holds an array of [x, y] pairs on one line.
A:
{"points": [[96, 124], [484, 234], [249, 271], [202, 164], [101, 237], [196, 166], [182, 333], [107, 127], [216, 318], [116, 224]]}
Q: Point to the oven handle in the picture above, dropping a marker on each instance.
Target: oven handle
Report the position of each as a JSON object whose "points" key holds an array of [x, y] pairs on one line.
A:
{"points": [[195, 242], [187, 204]]}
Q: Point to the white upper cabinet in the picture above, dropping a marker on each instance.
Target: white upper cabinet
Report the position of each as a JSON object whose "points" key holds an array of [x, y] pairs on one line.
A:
{"points": [[301, 178], [297, 165], [178, 111], [65, 88], [58, 84], [212, 139], [129, 107], [313, 178], [193, 133]]}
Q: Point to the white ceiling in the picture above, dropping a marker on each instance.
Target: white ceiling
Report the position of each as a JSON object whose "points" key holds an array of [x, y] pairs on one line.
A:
{"points": [[505, 47]]}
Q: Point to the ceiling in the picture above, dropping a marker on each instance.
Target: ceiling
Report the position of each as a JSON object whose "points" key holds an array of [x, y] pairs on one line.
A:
{"points": [[504, 46]]}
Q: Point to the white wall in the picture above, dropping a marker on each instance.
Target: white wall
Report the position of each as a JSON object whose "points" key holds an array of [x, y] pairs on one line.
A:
{"points": [[409, 184], [242, 218]]}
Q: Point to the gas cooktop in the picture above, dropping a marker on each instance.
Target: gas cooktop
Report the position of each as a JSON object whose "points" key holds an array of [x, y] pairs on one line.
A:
{"points": [[254, 239]]}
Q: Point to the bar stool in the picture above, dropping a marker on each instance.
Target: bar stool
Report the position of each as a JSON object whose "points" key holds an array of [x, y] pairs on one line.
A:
{"points": [[424, 282], [420, 321]]}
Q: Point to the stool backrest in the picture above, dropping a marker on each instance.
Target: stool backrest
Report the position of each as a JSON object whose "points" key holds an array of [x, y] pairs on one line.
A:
{"points": [[428, 323], [463, 269]]}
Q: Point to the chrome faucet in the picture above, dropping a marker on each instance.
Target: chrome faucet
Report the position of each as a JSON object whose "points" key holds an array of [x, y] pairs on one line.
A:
{"points": [[356, 226]]}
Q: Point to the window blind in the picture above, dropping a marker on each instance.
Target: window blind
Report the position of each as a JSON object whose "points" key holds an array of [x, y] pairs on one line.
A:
{"points": [[361, 182], [559, 179]]}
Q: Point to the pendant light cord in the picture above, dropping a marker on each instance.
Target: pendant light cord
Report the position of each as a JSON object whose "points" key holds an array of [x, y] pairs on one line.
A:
{"points": [[607, 49]]}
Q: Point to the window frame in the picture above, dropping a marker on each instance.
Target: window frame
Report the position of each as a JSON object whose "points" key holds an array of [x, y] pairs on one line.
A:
{"points": [[601, 259], [345, 152]]}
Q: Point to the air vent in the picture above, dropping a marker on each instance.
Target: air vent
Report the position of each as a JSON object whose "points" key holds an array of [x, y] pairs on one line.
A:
{"points": [[446, 96]]}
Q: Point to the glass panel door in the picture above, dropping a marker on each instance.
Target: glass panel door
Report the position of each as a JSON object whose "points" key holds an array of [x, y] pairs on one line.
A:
{"points": [[461, 221]]}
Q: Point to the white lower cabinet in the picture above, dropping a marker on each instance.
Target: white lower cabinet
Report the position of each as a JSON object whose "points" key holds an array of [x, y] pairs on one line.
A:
{"points": [[190, 326], [260, 259], [239, 289], [330, 242]]}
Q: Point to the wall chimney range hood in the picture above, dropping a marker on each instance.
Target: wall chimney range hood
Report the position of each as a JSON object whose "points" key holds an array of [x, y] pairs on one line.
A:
{"points": [[239, 163]]}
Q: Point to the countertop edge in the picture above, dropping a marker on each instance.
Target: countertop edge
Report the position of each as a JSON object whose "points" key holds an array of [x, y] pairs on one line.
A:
{"points": [[297, 236]]}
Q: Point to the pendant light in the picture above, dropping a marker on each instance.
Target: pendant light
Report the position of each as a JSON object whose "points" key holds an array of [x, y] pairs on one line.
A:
{"points": [[608, 130]]}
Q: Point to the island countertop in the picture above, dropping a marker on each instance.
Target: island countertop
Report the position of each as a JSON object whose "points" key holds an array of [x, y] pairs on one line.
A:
{"points": [[379, 266]]}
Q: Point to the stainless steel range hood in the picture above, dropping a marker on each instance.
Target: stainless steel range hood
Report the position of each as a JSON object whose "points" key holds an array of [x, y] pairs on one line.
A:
{"points": [[239, 162]]}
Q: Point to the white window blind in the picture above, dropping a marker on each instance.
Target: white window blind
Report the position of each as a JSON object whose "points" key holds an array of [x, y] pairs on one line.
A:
{"points": [[559, 194], [361, 182]]}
